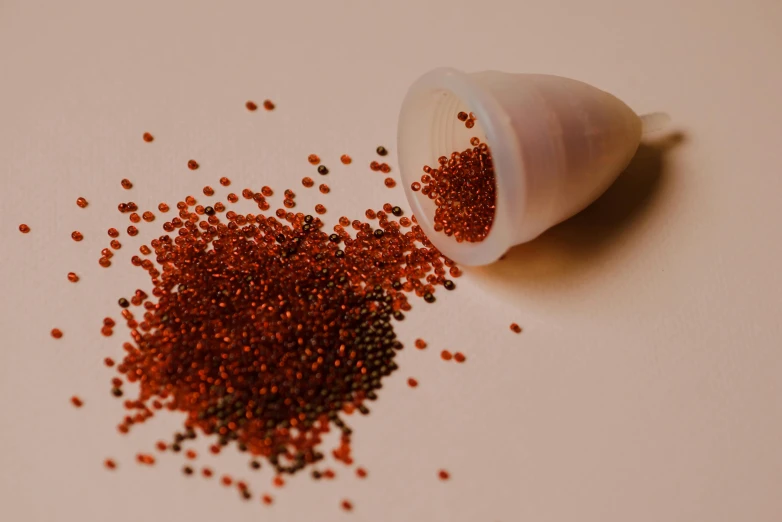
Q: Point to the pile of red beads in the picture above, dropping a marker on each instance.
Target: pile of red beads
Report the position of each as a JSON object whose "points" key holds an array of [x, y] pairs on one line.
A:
{"points": [[463, 189]]}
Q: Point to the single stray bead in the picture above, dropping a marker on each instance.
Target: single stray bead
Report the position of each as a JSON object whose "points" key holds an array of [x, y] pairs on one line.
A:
{"points": [[81, 202], [24, 229], [381, 151], [76, 235], [462, 116], [412, 382], [307, 182], [56, 333], [446, 355], [459, 357], [110, 464], [116, 245], [251, 106], [345, 159], [515, 328], [390, 183], [192, 164], [322, 170], [320, 209], [126, 184], [135, 218], [324, 189], [313, 159], [444, 475], [209, 191], [77, 401], [72, 277], [268, 105], [147, 137], [420, 344]]}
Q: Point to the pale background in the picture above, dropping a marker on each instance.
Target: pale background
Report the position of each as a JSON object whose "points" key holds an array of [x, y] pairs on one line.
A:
{"points": [[646, 385]]}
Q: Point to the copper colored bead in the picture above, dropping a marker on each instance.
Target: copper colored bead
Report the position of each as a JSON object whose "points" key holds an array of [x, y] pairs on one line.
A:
{"points": [[384, 168], [110, 464], [345, 159], [469, 124], [131, 207], [77, 401], [56, 333], [268, 105], [225, 181], [361, 472], [267, 191], [374, 166], [81, 202], [251, 106], [72, 277], [515, 328], [412, 382], [76, 235], [390, 183], [126, 184], [462, 116], [135, 218], [190, 201], [346, 505], [147, 137], [459, 357], [415, 186], [107, 253], [104, 261], [324, 189], [148, 216], [24, 229], [132, 231], [209, 191], [420, 344], [192, 164], [122, 207], [446, 355], [232, 198], [313, 159], [116, 245], [267, 499], [163, 207], [444, 475], [320, 209], [370, 214]]}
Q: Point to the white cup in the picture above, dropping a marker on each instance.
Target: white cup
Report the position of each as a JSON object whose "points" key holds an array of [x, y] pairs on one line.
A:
{"points": [[557, 144]]}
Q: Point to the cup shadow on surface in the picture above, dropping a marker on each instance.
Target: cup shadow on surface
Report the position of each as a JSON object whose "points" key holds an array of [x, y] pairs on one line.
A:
{"points": [[576, 246]]}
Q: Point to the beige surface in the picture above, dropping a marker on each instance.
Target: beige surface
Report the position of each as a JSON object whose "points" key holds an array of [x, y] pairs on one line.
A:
{"points": [[646, 386]]}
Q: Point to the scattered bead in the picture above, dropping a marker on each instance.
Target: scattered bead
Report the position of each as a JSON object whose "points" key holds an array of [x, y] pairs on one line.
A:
{"points": [[446, 355], [147, 137], [81, 202], [148, 216], [135, 218], [251, 106], [77, 401], [132, 231], [314, 159], [76, 235], [345, 159], [459, 357], [113, 232], [192, 164], [322, 170], [390, 183], [412, 382], [381, 151], [384, 168], [209, 191], [110, 464], [346, 505], [72, 277], [307, 182], [374, 166], [268, 105], [24, 229], [116, 245], [320, 209], [420, 344], [126, 184], [515, 328], [444, 475], [225, 181], [146, 459], [324, 189]]}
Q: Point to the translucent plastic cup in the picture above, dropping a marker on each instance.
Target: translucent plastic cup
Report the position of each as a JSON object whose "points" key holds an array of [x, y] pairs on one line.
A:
{"points": [[557, 144]]}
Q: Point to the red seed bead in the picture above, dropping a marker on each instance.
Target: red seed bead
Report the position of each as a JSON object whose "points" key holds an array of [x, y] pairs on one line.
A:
{"points": [[446, 355], [116, 245], [72, 277], [135, 218], [361, 472], [148, 137], [345, 159], [515, 328], [206, 472], [192, 164], [268, 105], [390, 183], [420, 344], [251, 106], [113, 232], [444, 475], [346, 505], [459, 357], [132, 231], [225, 181], [384, 168], [267, 191], [56, 333], [108, 361], [412, 382], [209, 191], [162, 207], [374, 166], [104, 261], [77, 401], [126, 184], [146, 459], [313, 159], [320, 209], [110, 464], [148, 216], [24, 229], [324, 189], [76, 235], [81, 202], [307, 182]]}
